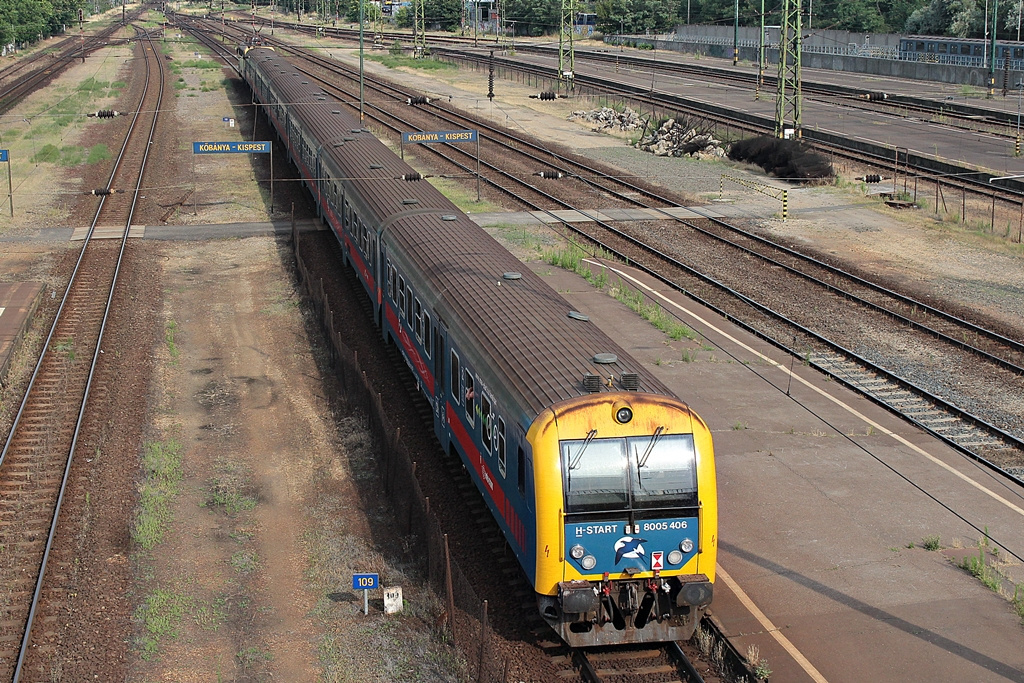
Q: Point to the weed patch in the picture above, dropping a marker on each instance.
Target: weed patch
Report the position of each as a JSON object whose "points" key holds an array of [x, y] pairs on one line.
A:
{"points": [[392, 62], [161, 466], [160, 615]]}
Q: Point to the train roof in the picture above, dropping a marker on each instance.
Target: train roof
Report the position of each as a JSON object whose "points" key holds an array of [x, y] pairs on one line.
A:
{"points": [[528, 334]]}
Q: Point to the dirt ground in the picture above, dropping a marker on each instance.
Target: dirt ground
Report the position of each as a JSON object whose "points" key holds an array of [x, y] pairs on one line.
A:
{"points": [[271, 515]]}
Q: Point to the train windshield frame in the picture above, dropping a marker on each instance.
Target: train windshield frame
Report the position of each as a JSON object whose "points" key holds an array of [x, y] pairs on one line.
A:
{"points": [[623, 473]]}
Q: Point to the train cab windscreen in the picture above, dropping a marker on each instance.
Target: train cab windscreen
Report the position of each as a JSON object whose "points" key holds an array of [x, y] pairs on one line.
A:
{"points": [[639, 472]]}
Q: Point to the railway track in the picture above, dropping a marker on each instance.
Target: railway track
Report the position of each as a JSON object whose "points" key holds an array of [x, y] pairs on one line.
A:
{"points": [[815, 311], [39, 453], [33, 72], [941, 111]]}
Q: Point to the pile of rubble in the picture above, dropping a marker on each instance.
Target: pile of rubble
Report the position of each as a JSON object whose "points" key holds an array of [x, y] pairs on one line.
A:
{"points": [[605, 117], [675, 138]]}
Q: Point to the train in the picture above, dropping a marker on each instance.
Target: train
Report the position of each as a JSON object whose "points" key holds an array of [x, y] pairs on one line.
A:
{"points": [[960, 51], [600, 479]]}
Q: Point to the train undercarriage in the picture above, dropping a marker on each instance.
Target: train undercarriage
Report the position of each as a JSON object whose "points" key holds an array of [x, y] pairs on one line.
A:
{"points": [[613, 612]]}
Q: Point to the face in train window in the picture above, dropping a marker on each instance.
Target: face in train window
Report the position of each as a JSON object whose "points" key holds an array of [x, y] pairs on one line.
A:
{"points": [[470, 396]]}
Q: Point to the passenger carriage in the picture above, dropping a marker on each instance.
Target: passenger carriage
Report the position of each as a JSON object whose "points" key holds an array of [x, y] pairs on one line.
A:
{"points": [[602, 482]]}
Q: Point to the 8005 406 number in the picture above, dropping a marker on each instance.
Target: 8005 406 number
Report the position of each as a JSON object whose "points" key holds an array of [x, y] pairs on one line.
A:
{"points": [[665, 526]]}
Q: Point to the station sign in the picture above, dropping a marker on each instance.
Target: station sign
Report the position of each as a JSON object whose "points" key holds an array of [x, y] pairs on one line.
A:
{"points": [[3, 155], [439, 136], [231, 148]]}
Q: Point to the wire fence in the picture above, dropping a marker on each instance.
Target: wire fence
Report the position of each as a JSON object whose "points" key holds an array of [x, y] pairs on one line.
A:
{"points": [[465, 617]]}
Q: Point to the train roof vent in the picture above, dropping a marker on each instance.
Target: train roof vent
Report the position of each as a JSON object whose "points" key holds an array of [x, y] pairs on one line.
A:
{"points": [[410, 201], [630, 381], [348, 139], [321, 99], [512, 275], [576, 315], [336, 145], [305, 82], [449, 217], [376, 167], [358, 130], [606, 358], [335, 111], [591, 382]]}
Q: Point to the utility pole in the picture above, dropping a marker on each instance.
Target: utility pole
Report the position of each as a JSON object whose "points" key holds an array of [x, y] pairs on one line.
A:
{"points": [[419, 29], [789, 100], [736, 33], [566, 54], [992, 51]]}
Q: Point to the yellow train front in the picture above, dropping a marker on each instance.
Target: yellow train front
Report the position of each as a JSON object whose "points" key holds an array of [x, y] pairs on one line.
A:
{"points": [[627, 518]]}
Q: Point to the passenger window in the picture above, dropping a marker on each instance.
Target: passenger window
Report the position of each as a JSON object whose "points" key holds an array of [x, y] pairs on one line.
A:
{"points": [[417, 313], [485, 421], [401, 295], [501, 447], [426, 334], [408, 310], [455, 378], [470, 398], [391, 281]]}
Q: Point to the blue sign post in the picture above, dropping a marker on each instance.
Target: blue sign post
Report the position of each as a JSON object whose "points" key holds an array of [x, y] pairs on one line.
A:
{"points": [[365, 583], [6, 156], [448, 137], [237, 148]]}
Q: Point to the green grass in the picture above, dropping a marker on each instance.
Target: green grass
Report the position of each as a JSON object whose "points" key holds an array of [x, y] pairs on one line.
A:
{"points": [[169, 331], [425, 64], [931, 543], [162, 473], [160, 615], [97, 154], [230, 491], [573, 257], [981, 570], [62, 156], [245, 562]]}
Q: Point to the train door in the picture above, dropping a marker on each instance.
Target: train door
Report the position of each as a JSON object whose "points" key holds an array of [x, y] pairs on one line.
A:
{"points": [[376, 259], [440, 381]]}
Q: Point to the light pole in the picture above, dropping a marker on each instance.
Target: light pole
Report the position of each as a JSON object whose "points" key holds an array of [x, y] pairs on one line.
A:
{"points": [[736, 34], [1016, 144]]}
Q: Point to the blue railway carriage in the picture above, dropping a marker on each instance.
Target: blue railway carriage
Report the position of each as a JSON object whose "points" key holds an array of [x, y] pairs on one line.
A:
{"points": [[602, 482], [961, 51]]}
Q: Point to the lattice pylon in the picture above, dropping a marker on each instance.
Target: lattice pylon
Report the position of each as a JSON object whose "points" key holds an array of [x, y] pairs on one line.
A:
{"points": [[419, 29], [789, 100], [566, 54]]}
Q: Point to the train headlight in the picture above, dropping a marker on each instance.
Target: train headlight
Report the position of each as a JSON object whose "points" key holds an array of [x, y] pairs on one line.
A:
{"points": [[686, 546], [577, 552], [623, 413], [675, 557], [589, 562]]}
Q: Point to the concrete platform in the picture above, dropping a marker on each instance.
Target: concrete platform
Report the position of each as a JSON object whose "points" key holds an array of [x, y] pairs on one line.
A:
{"points": [[821, 493], [251, 229], [18, 301]]}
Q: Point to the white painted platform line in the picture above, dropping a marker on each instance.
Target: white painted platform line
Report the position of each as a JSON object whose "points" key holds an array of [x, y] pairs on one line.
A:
{"points": [[770, 628], [848, 408], [2, 309]]}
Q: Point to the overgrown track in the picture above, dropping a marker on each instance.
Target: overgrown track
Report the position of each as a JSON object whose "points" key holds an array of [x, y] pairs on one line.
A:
{"points": [[31, 73], [38, 456]]}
